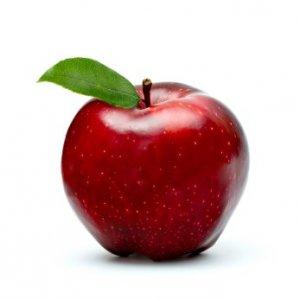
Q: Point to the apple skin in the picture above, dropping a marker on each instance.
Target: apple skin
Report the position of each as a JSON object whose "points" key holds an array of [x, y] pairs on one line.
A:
{"points": [[160, 181]]}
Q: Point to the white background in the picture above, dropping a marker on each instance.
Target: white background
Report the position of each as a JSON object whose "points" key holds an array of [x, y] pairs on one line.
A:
{"points": [[245, 53]]}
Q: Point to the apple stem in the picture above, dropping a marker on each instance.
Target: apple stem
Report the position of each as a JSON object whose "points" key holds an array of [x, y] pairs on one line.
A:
{"points": [[146, 90]]}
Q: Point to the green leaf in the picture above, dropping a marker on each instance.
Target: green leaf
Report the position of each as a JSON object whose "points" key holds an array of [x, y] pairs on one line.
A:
{"points": [[91, 78]]}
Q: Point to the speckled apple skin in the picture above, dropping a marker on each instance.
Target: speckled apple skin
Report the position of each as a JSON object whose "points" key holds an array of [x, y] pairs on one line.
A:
{"points": [[161, 181]]}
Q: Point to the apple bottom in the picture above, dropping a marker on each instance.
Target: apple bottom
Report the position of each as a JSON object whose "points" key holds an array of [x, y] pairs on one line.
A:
{"points": [[162, 257], [187, 236]]}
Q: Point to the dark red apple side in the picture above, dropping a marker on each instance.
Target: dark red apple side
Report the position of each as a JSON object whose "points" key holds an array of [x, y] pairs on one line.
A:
{"points": [[160, 181]]}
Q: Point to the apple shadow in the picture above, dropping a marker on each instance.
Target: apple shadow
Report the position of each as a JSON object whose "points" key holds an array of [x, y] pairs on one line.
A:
{"points": [[137, 259], [203, 259], [218, 256]]}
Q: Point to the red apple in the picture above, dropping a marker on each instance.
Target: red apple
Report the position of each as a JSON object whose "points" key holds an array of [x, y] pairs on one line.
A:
{"points": [[161, 181]]}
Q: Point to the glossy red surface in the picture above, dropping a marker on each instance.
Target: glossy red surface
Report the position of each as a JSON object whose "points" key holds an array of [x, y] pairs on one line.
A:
{"points": [[160, 181]]}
